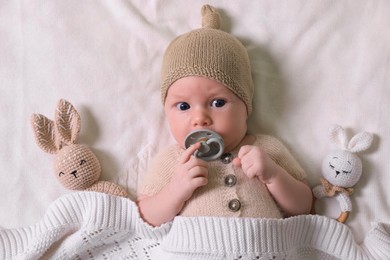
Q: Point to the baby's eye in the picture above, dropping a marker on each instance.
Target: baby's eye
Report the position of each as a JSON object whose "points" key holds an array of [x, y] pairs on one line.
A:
{"points": [[82, 162], [218, 103], [346, 172], [61, 173], [331, 166], [183, 106]]}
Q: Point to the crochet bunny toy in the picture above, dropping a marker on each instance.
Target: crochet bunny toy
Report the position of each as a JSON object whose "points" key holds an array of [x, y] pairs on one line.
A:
{"points": [[342, 168], [76, 167]]}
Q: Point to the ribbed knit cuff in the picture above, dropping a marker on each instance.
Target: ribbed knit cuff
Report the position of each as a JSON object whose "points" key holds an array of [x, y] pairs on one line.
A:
{"points": [[256, 237]]}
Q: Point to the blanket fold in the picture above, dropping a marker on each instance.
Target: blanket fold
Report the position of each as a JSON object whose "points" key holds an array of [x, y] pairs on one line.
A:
{"points": [[92, 225]]}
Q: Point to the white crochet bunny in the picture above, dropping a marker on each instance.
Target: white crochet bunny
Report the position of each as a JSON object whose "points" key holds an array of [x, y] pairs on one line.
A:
{"points": [[76, 167], [342, 168]]}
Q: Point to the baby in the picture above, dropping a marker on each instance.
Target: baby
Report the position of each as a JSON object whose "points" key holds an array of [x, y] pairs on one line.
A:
{"points": [[207, 85]]}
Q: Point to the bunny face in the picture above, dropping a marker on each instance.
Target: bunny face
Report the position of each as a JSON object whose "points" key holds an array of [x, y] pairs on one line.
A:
{"points": [[76, 167], [342, 168]]}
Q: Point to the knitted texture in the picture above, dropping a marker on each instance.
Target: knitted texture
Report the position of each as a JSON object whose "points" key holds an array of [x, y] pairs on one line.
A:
{"points": [[214, 198], [89, 225], [341, 168], [75, 165], [50, 135], [211, 53], [109, 188], [68, 122], [331, 190], [44, 130]]}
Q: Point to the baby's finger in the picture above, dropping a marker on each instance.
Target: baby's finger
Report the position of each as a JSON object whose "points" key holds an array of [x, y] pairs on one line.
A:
{"points": [[199, 181], [195, 162], [237, 162], [198, 171], [250, 172], [243, 151], [186, 156]]}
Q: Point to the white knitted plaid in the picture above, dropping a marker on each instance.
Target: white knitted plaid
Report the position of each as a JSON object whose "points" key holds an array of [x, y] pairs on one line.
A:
{"points": [[90, 225]]}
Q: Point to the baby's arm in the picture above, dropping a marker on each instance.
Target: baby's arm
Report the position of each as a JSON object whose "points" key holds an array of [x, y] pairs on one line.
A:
{"points": [[294, 197], [189, 174]]}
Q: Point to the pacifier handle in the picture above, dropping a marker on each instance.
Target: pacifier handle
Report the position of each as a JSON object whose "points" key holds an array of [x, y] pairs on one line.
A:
{"points": [[205, 148]]}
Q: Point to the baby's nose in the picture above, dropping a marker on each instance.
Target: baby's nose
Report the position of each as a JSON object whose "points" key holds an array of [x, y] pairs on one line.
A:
{"points": [[201, 118]]}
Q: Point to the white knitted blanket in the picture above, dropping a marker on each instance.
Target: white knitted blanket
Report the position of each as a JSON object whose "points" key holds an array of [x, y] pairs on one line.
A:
{"points": [[89, 225]]}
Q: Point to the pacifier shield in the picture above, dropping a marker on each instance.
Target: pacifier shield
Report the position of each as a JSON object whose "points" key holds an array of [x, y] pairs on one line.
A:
{"points": [[212, 144]]}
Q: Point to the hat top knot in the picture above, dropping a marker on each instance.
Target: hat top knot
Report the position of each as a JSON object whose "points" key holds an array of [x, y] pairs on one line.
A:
{"points": [[211, 53], [210, 17]]}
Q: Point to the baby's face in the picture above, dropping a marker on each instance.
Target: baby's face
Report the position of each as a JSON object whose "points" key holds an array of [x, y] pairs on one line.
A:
{"points": [[194, 103]]}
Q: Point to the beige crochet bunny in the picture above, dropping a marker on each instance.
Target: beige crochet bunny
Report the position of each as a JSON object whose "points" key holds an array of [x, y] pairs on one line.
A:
{"points": [[76, 167]]}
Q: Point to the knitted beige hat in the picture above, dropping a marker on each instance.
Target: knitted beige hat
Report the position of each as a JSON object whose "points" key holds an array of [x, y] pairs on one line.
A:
{"points": [[211, 53]]}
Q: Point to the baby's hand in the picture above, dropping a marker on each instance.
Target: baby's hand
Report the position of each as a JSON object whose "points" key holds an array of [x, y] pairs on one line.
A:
{"points": [[255, 162], [190, 174]]}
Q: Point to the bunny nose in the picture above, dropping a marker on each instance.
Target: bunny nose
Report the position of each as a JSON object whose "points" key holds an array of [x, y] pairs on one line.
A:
{"points": [[74, 174]]}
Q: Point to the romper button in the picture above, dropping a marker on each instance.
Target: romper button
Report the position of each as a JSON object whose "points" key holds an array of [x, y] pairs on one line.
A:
{"points": [[234, 205], [227, 158], [230, 180]]}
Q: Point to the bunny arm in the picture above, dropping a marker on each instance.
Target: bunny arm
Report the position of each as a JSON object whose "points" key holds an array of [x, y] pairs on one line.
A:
{"points": [[344, 201], [319, 191], [108, 188]]}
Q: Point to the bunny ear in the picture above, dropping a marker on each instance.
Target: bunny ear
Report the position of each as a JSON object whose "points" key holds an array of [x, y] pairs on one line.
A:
{"points": [[338, 136], [360, 142], [67, 122], [44, 132]]}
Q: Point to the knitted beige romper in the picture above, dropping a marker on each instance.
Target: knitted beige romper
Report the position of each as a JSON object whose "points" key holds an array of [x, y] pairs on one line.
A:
{"points": [[229, 192]]}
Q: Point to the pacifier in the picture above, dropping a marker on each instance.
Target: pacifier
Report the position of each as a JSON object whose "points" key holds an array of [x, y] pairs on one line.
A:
{"points": [[212, 144]]}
